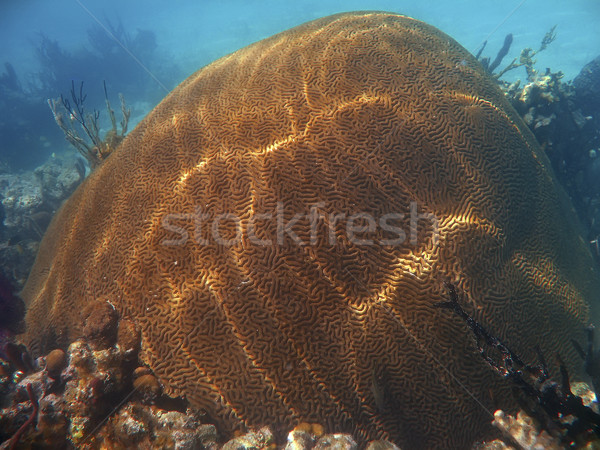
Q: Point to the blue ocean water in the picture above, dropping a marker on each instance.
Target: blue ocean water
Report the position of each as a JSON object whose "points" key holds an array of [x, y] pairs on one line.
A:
{"points": [[164, 42], [144, 49]]}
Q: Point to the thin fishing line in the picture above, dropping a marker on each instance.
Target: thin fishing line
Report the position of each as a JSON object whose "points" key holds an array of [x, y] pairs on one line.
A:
{"points": [[437, 361], [510, 14], [135, 58], [121, 403], [424, 349]]}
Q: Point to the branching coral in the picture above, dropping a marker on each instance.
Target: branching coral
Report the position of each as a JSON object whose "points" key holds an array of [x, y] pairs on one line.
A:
{"points": [[527, 55], [485, 61], [99, 149], [524, 59]]}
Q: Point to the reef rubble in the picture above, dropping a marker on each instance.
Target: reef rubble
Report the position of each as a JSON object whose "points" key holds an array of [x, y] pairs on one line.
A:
{"points": [[28, 200], [97, 395]]}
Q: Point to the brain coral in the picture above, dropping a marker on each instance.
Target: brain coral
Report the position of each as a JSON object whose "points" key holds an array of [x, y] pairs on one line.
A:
{"points": [[281, 225]]}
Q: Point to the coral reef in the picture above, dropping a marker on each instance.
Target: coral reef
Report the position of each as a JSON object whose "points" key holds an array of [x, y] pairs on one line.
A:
{"points": [[32, 417], [366, 113], [262, 438], [522, 432], [485, 61], [565, 122], [76, 408], [56, 361], [100, 148], [94, 399], [525, 59], [585, 109], [587, 88], [27, 202], [101, 324], [91, 397], [336, 442], [143, 426], [562, 417], [565, 119], [28, 132]]}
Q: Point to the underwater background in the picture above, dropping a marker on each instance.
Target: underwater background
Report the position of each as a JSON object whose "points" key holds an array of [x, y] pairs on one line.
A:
{"points": [[49, 45], [97, 51]]}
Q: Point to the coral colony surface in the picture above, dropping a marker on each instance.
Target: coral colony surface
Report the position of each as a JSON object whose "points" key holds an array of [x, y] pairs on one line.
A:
{"points": [[226, 277]]}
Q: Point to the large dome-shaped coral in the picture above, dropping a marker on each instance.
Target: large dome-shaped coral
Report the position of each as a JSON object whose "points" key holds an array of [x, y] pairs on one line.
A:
{"points": [[281, 225]]}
